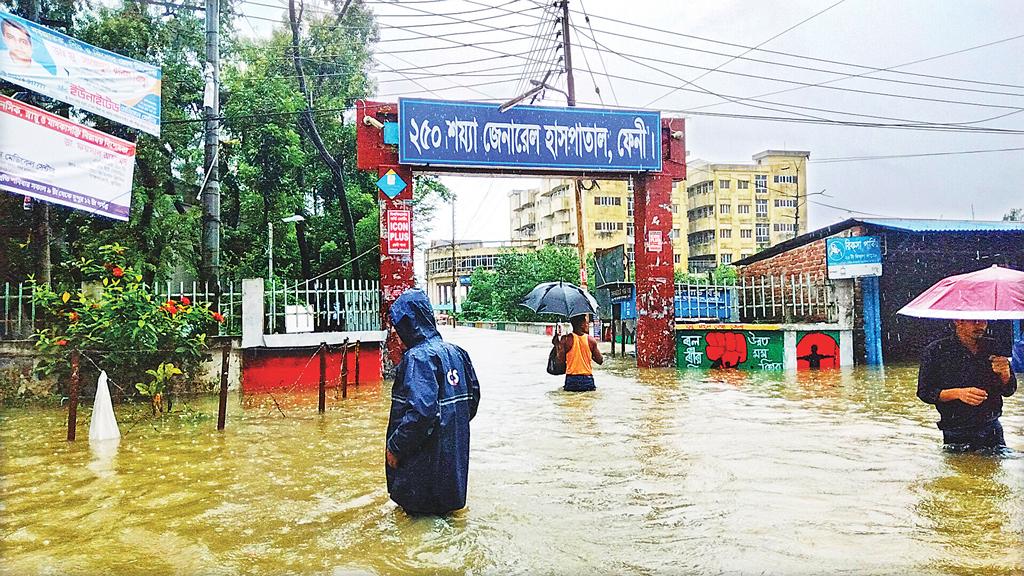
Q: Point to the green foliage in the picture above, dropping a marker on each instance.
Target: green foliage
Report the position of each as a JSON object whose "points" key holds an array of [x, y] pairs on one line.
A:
{"points": [[496, 295], [158, 385], [118, 323], [1014, 215], [724, 274]]}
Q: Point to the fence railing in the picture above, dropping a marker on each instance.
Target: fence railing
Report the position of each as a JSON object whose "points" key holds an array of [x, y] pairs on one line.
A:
{"points": [[321, 306], [18, 312], [769, 298]]}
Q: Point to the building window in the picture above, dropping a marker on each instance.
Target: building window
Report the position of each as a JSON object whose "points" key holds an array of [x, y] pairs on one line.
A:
{"points": [[790, 228], [785, 179], [675, 208], [762, 207], [762, 233], [790, 203], [743, 208], [743, 184], [746, 233], [724, 208], [723, 184], [745, 255], [677, 258], [629, 229], [607, 201], [607, 226], [761, 183], [726, 258], [725, 233], [674, 234], [629, 201], [629, 184]]}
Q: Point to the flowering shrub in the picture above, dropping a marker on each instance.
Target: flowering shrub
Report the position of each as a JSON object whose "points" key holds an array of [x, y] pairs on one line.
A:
{"points": [[120, 324]]}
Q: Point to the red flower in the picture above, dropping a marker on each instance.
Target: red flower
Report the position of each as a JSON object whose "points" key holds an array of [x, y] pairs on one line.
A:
{"points": [[218, 317], [62, 342], [117, 271], [171, 307], [185, 301], [73, 316]]}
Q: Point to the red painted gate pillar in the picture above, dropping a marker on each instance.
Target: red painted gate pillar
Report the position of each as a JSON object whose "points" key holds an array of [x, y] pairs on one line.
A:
{"points": [[653, 254], [396, 265]]}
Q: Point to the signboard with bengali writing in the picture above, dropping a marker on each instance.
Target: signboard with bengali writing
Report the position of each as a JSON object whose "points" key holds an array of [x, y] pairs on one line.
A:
{"points": [[853, 256], [54, 159], [55, 65], [399, 231], [471, 134]]}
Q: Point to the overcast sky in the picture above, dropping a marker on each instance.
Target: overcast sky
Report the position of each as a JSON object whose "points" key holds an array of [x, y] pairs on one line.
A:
{"points": [[876, 34]]}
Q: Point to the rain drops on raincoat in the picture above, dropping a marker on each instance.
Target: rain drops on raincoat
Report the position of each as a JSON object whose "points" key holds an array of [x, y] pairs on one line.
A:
{"points": [[435, 395]]}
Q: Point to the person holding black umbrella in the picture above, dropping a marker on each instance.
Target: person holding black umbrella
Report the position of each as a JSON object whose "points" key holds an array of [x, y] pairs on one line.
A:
{"points": [[577, 350]]}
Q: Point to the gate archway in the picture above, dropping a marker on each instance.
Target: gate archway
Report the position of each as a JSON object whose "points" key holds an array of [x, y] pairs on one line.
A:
{"points": [[397, 139]]}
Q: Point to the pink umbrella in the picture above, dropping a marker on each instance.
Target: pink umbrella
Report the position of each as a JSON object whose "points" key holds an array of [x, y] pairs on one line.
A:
{"points": [[991, 294]]}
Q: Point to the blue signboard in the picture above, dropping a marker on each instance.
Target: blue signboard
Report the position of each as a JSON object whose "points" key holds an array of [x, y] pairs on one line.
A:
{"points": [[853, 256], [470, 134]]}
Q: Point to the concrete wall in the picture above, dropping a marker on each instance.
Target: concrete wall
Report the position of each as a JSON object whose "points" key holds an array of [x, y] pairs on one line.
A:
{"points": [[763, 347]]}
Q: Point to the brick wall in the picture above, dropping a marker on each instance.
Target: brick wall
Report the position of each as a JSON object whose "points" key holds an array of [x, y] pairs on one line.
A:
{"points": [[806, 259]]}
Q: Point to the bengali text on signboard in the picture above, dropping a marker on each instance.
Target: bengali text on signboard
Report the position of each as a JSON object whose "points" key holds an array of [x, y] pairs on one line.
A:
{"points": [[853, 257], [54, 159], [48, 62], [470, 134]]}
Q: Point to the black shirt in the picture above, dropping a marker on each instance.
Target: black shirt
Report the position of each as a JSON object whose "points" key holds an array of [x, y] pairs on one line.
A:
{"points": [[946, 364]]}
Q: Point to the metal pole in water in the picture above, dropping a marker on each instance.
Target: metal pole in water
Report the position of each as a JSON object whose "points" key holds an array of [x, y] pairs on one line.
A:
{"points": [[222, 407], [344, 369], [322, 397], [357, 362], [73, 396]]}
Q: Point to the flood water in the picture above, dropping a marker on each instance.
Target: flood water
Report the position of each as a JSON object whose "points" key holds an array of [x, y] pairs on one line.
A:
{"points": [[659, 471]]}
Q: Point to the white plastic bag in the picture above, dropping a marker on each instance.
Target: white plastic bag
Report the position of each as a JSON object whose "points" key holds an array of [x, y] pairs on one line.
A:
{"points": [[103, 425]]}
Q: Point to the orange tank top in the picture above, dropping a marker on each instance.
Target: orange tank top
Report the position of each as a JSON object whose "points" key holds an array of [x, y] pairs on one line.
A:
{"points": [[577, 360]]}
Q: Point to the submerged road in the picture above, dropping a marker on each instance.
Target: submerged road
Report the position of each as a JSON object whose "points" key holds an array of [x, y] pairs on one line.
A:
{"points": [[658, 471]]}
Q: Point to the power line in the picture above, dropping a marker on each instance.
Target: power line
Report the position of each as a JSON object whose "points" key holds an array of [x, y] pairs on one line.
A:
{"points": [[734, 58], [917, 155]]}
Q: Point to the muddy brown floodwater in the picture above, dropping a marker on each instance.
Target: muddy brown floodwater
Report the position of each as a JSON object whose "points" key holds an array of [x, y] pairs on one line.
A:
{"points": [[659, 471]]}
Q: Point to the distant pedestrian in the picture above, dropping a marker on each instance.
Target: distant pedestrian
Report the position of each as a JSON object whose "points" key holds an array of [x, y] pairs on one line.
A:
{"points": [[435, 395], [966, 384], [577, 349]]}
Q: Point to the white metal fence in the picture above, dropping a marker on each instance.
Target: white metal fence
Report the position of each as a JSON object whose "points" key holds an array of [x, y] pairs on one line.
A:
{"points": [[769, 298], [321, 306]]}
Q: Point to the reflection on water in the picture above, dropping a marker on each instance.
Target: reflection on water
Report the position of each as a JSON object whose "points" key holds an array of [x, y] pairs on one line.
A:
{"points": [[657, 471]]}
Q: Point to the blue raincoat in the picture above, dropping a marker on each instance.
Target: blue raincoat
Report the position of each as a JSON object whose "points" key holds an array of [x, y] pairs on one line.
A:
{"points": [[435, 395]]}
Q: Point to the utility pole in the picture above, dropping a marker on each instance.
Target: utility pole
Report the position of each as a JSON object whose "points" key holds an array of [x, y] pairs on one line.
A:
{"points": [[40, 209], [571, 101], [210, 268], [454, 284]]}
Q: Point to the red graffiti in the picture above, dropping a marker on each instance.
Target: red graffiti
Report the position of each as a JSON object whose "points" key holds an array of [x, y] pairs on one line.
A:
{"points": [[726, 349]]}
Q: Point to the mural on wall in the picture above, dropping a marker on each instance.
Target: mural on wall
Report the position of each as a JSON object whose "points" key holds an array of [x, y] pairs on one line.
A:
{"points": [[817, 350], [745, 350]]}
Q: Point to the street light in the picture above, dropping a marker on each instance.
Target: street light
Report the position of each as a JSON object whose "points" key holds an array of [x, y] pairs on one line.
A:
{"points": [[270, 241]]}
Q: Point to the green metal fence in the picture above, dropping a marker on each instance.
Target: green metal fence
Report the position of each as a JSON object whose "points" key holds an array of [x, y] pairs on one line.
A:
{"points": [[325, 305]]}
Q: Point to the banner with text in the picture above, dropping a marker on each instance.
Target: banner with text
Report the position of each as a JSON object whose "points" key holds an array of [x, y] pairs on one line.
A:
{"points": [[56, 160], [470, 134], [399, 224], [52, 64]]}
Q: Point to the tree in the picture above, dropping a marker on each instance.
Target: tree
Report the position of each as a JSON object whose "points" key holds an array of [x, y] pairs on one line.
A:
{"points": [[1015, 215], [496, 295]]}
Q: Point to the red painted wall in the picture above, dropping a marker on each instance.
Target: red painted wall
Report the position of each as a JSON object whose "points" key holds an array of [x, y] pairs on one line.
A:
{"points": [[290, 370]]}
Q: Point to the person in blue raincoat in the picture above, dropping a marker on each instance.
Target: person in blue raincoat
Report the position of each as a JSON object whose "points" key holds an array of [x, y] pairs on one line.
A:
{"points": [[435, 395]]}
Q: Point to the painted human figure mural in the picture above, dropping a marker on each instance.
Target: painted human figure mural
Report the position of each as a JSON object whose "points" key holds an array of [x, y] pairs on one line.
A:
{"points": [[816, 351]]}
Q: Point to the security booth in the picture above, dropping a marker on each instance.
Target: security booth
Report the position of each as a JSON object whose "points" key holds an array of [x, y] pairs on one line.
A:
{"points": [[622, 299], [875, 266]]}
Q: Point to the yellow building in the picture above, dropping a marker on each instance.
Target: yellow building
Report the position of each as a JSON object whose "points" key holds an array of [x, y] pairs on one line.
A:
{"points": [[736, 210], [721, 213], [548, 216], [469, 255]]}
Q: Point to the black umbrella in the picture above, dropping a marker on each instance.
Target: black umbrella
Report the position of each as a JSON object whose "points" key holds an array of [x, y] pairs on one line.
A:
{"points": [[561, 298]]}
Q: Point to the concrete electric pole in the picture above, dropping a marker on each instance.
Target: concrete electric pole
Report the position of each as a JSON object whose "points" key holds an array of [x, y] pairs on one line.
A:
{"points": [[210, 268]]}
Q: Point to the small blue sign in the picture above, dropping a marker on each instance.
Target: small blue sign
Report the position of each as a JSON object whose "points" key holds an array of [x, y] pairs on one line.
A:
{"points": [[391, 184], [853, 256], [391, 133], [470, 134]]}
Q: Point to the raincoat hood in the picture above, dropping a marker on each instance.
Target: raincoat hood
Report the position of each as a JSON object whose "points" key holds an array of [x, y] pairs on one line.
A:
{"points": [[413, 318]]}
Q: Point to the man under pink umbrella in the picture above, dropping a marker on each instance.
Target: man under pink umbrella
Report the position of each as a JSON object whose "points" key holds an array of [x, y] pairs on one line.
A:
{"points": [[966, 383]]}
